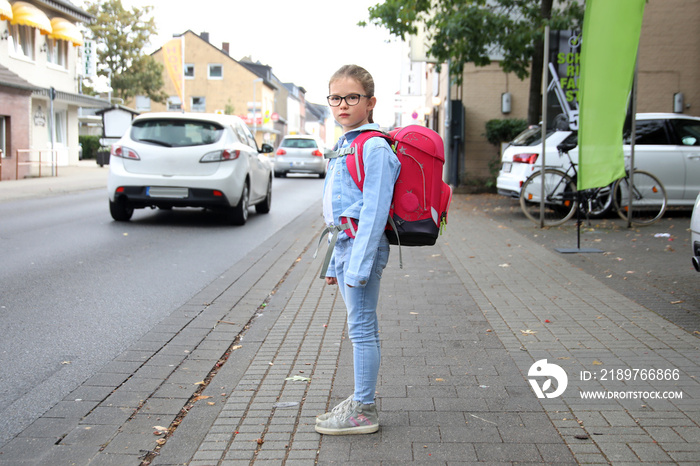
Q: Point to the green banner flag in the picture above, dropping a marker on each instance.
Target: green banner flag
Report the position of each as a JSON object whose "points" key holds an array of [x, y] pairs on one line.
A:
{"points": [[611, 30]]}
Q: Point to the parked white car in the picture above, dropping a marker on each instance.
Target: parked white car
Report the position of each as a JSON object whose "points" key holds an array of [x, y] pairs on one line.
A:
{"points": [[667, 145], [168, 160], [695, 234]]}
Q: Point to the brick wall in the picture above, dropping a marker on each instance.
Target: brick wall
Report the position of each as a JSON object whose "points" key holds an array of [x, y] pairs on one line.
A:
{"points": [[668, 63], [16, 110]]}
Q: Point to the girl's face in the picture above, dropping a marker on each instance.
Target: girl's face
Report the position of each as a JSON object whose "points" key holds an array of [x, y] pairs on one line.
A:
{"points": [[351, 117]]}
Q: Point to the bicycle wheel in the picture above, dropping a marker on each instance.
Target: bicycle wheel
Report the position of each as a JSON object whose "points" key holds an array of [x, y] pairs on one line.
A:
{"points": [[648, 198], [599, 201], [559, 200]]}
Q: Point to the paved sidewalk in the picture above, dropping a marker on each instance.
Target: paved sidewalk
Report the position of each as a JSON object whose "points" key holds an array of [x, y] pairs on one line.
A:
{"points": [[461, 324], [85, 175]]}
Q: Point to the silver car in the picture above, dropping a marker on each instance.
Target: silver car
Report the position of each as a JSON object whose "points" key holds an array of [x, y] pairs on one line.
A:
{"points": [[300, 154], [168, 160]]}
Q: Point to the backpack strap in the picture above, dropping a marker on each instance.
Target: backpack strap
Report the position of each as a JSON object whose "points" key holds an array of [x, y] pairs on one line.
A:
{"points": [[333, 231], [356, 166]]}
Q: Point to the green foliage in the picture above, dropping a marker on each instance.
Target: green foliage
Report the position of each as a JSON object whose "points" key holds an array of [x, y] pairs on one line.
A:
{"points": [[121, 36], [498, 131], [90, 145], [472, 31], [229, 109]]}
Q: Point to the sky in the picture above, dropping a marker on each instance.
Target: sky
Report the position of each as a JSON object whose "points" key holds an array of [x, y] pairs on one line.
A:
{"points": [[304, 42]]}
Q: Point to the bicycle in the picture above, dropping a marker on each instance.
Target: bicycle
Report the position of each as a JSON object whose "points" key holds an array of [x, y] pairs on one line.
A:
{"points": [[562, 197]]}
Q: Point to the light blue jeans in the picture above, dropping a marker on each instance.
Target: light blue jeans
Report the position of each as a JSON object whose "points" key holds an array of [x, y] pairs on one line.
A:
{"points": [[363, 325]]}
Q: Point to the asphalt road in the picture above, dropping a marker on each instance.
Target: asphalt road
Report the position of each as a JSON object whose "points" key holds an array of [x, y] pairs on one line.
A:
{"points": [[77, 288], [650, 265]]}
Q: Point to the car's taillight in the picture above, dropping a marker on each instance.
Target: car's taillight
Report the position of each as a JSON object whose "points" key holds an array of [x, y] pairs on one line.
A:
{"points": [[228, 154], [123, 152], [281, 151], [525, 158], [221, 155], [317, 153]]}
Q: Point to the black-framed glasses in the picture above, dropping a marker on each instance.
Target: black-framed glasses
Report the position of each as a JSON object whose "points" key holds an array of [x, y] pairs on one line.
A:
{"points": [[350, 99]]}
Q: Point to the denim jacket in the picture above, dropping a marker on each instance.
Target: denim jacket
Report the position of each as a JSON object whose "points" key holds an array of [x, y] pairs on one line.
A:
{"points": [[370, 207]]}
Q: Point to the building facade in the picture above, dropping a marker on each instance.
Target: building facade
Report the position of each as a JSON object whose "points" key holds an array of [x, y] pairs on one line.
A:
{"points": [[40, 99], [668, 71], [214, 82]]}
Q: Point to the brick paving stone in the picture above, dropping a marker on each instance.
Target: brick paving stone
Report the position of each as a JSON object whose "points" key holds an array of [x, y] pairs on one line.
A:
{"points": [[453, 386]]}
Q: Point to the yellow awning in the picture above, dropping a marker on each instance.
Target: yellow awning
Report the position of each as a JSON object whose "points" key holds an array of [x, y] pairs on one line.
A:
{"points": [[65, 30], [5, 10], [28, 15]]}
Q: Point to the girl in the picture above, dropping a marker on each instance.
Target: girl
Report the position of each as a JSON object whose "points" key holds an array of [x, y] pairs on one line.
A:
{"points": [[357, 263]]}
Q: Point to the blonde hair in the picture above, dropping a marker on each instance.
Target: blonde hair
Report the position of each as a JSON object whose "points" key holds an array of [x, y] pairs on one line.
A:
{"points": [[360, 75]]}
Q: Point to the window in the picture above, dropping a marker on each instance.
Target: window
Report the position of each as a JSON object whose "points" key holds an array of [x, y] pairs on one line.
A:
{"points": [[250, 138], [174, 104], [3, 148], [688, 131], [176, 133], [22, 41], [60, 127], [216, 71], [240, 133], [57, 52], [648, 132], [189, 71], [143, 103], [198, 104], [295, 143]]}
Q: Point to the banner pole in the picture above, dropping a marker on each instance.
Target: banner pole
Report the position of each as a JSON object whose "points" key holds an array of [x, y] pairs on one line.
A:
{"points": [[633, 138], [545, 86]]}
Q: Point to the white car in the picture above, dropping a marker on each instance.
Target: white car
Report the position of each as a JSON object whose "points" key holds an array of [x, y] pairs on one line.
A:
{"points": [[695, 234], [300, 153], [667, 145], [168, 160]]}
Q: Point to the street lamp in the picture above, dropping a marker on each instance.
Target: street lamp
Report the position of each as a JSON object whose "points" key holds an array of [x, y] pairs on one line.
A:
{"points": [[255, 107]]}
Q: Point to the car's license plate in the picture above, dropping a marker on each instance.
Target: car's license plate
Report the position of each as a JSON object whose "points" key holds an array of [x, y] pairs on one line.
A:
{"points": [[161, 191], [506, 167], [299, 163]]}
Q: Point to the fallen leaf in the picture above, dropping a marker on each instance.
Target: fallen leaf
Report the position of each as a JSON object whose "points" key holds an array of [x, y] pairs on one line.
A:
{"points": [[201, 397], [528, 332], [413, 313], [161, 429], [211, 403], [504, 265], [65, 363], [161, 441], [299, 378], [676, 302], [201, 383], [439, 380], [236, 347], [597, 363], [260, 441]]}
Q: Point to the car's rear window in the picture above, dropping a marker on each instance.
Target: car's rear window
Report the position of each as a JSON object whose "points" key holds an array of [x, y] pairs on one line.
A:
{"points": [[176, 133], [299, 143], [530, 137]]}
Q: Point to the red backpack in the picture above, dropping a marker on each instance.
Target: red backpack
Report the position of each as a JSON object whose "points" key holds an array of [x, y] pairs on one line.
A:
{"points": [[421, 199]]}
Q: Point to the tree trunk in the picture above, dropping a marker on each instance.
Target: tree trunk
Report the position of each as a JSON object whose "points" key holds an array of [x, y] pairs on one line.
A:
{"points": [[534, 109]]}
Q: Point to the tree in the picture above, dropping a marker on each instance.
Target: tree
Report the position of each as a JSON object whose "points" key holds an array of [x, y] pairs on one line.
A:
{"points": [[472, 31], [121, 36]]}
